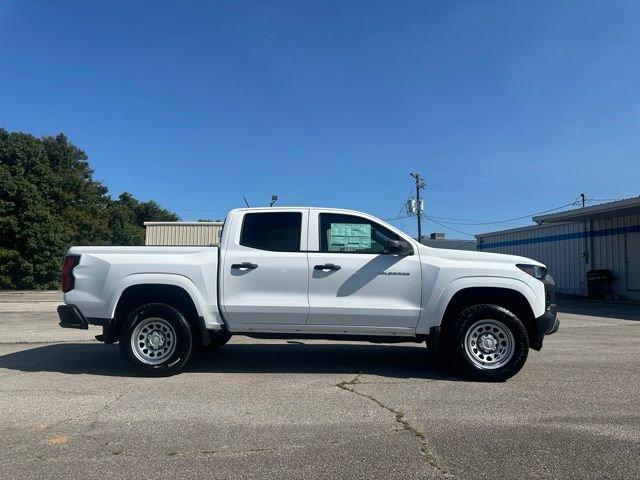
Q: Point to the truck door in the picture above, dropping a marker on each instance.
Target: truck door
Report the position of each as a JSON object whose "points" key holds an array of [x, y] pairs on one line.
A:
{"points": [[265, 270], [355, 279]]}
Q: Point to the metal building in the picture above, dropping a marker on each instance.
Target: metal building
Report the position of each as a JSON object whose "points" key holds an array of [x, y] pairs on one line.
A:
{"points": [[573, 242], [438, 240], [183, 233]]}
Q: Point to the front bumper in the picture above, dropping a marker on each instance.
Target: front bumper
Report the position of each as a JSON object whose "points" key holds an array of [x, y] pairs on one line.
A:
{"points": [[548, 322], [71, 317]]}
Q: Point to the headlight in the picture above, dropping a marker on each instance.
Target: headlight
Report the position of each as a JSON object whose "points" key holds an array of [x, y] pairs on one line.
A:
{"points": [[533, 270]]}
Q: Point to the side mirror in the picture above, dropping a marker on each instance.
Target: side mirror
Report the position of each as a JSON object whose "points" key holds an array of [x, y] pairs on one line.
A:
{"points": [[399, 247]]}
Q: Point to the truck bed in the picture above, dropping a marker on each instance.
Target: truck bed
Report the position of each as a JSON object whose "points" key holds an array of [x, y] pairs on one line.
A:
{"points": [[104, 273]]}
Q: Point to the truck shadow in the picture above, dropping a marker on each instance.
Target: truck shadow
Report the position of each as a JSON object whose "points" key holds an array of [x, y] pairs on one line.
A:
{"points": [[393, 361], [599, 308]]}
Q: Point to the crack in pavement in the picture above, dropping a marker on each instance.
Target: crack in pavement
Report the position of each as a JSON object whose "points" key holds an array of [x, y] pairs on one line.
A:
{"points": [[399, 417], [93, 414], [104, 408]]}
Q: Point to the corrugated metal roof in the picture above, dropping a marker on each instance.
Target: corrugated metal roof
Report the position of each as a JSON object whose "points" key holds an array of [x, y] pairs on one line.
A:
{"points": [[146, 224], [507, 230], [452, 244], [627, 206]]}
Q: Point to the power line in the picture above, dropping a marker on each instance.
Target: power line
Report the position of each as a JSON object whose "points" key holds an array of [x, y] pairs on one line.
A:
{"points": [[430, 219], [466, 221], [446, 224], [509, 219], [399, 217]]}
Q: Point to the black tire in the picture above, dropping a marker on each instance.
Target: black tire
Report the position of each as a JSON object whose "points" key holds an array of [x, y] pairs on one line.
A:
{"points": [[511, 337], [179, 340], [218, 339]]}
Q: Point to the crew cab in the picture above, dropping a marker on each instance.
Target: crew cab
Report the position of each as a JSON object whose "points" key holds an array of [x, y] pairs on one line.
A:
{"points": [[310, 273]]}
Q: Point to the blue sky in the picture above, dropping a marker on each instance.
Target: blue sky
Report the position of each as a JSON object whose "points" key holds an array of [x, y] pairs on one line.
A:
{"points": [[506, 108]]}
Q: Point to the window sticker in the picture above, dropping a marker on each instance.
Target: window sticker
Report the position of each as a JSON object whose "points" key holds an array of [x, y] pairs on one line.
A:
{"points": [[349, 237]]}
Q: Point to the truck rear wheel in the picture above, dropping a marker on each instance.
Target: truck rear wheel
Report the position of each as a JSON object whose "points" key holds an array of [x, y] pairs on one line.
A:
{"points": [[489, 343], [156, 340]]}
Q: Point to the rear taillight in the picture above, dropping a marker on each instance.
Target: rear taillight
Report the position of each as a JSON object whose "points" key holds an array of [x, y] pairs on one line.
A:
{"points": [[68, 280]]}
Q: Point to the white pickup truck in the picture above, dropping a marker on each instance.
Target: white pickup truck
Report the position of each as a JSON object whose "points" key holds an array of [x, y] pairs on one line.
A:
{"points": [[310, 273]]}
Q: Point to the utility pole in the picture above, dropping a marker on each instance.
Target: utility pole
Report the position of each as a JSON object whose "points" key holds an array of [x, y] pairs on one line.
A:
{"points": [[419, 186], [274, 199], [583, 199]]}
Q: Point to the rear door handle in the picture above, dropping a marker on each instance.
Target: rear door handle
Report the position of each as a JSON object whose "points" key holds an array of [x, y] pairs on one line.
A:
{"points": [[327, 266], [247, 265]]}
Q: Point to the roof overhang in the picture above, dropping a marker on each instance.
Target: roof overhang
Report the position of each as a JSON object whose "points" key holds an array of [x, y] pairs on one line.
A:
{"points": [[619, 208]]}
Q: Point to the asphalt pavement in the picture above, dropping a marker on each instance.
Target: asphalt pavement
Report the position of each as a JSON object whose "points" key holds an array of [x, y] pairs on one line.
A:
{"points": [[70, 409]]}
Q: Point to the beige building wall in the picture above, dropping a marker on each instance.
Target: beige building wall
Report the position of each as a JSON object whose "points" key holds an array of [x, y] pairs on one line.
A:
{"points": [[182, 233]]}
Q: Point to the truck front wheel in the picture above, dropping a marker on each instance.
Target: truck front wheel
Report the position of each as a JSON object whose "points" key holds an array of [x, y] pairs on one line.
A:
{"points": [[156, 340], [489, 343]]}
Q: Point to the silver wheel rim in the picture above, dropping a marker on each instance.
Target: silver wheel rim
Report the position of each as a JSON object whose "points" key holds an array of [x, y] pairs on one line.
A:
{"points": [[153, 341], [489, 344]]}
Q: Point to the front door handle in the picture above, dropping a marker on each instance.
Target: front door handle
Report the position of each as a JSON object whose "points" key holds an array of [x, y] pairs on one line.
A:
{"points": [[247, 265], [327, 266]]}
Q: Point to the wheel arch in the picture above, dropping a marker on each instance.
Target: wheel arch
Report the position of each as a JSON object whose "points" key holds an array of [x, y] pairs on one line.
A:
{"points": [[134, 295], [512, 299], [158, 280]]}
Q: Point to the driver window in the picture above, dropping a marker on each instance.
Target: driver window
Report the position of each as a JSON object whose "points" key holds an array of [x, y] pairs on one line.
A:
{"points": [[350, 234]]}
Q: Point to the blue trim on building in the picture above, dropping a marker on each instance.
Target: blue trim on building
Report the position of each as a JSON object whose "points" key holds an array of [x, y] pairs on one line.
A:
{"points": [[558, 238]]}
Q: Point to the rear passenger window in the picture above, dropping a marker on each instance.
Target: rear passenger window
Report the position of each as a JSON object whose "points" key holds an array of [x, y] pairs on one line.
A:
{"points": [[278, 231]]}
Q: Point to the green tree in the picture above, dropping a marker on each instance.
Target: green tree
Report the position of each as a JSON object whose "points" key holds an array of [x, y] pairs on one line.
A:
{"points": [[127, 216], [49, 201]]}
